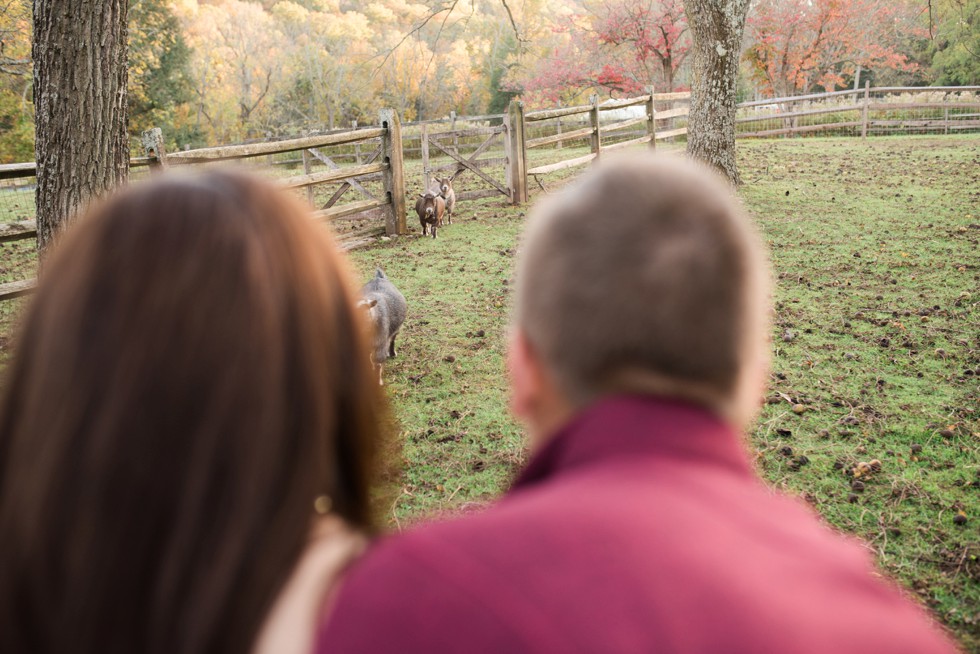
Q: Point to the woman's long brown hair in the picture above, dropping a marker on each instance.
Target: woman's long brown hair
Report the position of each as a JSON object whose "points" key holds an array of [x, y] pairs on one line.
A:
{"points": [[191, 376]]}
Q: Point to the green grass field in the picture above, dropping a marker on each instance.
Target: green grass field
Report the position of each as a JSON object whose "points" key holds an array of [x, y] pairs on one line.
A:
{"points": [[876, 342]]}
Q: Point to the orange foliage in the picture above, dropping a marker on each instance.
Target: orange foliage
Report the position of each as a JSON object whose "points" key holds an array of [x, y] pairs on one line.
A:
{"points": [[808, 45]]}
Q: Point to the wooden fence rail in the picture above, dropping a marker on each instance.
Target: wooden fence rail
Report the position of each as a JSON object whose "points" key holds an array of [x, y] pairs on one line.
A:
{"points": [[597, 132], [867, 110]]}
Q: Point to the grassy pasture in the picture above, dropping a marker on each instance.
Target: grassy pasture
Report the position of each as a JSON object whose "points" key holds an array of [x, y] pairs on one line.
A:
{"points": [[876, 341], [876, 335]]}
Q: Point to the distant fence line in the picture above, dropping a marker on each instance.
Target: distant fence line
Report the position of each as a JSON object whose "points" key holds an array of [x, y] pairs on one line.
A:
{"points": [[640, 120]]}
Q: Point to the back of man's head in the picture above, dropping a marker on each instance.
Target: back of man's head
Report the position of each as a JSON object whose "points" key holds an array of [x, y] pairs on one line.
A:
{"points": [[644, 276]]}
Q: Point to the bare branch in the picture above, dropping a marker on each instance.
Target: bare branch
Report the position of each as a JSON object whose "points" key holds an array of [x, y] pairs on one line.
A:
{"points": [[513, 23], [416, 30]]}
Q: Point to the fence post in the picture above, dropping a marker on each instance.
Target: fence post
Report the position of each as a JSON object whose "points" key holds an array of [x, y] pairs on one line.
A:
{"points": [[155, 149], [306, 171], [516, 153], [864, 110], [560, 144], [394, 175], [945, 119], [652, 119], [594, 119], [424, 144], [452, 118], [357, 146]]}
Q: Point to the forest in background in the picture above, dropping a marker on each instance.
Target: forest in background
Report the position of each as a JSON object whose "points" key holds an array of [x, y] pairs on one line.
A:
{"points": [[224, 71]]}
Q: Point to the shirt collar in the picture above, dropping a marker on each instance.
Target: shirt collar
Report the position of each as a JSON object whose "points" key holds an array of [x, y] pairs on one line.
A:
{"points": [[632, 427]]}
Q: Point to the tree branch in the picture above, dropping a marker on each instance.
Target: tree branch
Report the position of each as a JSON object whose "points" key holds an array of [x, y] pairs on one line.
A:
{"points": [[416, 30], [513, 23]]}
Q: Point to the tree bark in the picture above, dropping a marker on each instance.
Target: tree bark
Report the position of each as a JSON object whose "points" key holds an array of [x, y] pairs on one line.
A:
{"points": [[82, 149], [716, 27]]}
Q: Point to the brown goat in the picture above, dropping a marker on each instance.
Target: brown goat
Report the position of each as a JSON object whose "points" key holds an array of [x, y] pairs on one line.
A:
{"points": [[430, 207]]}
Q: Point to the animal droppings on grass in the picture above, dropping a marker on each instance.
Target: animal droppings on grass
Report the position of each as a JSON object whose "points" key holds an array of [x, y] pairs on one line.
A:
{"points": [[449, 359], [960, 518], [799, 409], [857, 486], [785, 433]]}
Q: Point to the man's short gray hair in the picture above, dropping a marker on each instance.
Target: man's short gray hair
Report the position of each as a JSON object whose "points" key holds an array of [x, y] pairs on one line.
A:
{"points": [[644, 276]]}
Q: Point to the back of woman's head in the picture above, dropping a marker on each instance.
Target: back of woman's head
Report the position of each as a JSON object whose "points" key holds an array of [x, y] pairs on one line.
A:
{"points": [[190, 377]]}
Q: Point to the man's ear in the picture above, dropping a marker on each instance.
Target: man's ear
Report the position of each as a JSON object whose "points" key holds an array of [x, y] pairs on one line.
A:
{"points": [[534, 398], [524, 369]]}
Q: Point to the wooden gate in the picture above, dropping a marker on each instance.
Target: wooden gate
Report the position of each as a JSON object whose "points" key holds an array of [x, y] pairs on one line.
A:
{"points": [[448, 143]]}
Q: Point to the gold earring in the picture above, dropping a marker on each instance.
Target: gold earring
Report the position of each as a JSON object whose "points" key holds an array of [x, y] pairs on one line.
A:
{"points": [[322, 504]]}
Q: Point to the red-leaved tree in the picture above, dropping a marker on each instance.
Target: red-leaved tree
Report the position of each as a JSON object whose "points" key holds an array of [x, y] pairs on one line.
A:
{"points": [[808, 45], [646, 41], [622, 46]]}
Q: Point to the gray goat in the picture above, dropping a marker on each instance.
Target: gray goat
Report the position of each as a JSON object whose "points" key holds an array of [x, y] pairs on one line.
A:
{"points": [[386, 307]]}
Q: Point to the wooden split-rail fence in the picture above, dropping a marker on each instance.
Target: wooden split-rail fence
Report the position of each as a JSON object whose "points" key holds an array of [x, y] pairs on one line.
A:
{"points": [[520, 145]]}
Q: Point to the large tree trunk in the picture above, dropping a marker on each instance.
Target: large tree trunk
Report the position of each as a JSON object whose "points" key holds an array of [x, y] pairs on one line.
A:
{"points": [[716, 27], [81, 149]]}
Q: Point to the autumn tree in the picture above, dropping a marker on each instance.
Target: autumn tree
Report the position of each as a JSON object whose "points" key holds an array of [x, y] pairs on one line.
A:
{"points": [[159, 71], [645, 40], [622, 46], [16, 109], [329, 51], [953, 49], [800, 46], [80, 74], [717, 27], [568, 70]]}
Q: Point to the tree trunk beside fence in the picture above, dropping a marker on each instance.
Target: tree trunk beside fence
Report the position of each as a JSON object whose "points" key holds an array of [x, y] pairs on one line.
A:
{"points": [[716, 27], [81, 148]]}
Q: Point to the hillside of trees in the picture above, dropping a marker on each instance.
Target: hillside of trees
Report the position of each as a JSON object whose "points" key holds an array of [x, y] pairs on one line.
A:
{"points": [[223, 71]]}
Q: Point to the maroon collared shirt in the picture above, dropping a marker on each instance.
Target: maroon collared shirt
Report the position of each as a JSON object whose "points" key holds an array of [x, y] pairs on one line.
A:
{"points": [[641, 527]]}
